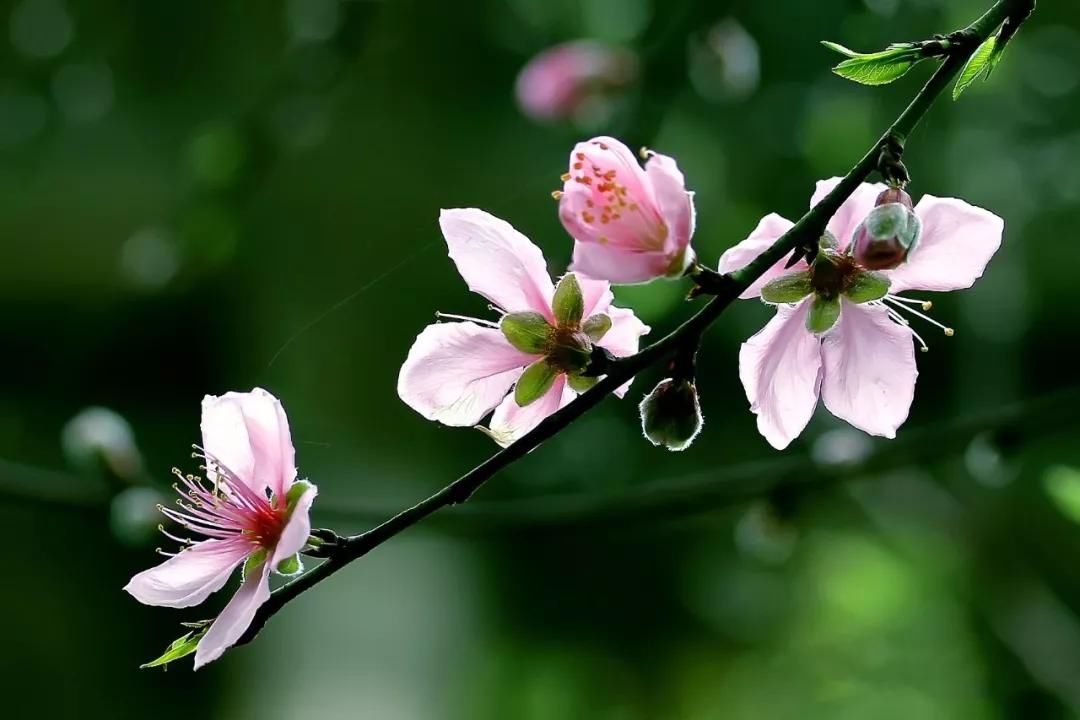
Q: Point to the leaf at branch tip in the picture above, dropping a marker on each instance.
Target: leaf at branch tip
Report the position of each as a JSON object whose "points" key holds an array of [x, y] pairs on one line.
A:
{"points": [[981, 62], [179, 648], [878, 68]]}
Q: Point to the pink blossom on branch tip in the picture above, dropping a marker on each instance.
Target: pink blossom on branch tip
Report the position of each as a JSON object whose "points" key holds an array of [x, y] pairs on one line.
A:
{"points": [[862, 365], [249, 510], [456, 373], [630, 224]]}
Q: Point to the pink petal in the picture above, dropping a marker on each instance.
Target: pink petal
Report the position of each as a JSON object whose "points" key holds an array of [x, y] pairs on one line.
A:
{"points": [[676, 204], [852, 211], [768, 230], [497, 261], [624, 337], [235, 618], [190, 576], [297, 529], [618, 265], [956, 244], [457, 372], [249, 433], [510, 421], [869, 376], [780, 369]]}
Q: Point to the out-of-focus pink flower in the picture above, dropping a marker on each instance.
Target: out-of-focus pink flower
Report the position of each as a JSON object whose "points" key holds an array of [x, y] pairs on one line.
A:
{"points": [[249, 510], [458, 372], [838, 332], [563, 81], [630, 224]]}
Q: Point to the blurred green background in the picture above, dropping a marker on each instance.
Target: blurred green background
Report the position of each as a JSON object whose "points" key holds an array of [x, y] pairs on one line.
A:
{"points": [[204, 196]]}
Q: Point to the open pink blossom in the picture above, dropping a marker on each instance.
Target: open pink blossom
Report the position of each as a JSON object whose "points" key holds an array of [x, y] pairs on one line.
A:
{"points": [[630, 224], [249, 510], [458, 372], [573, 79], [861, 359]]}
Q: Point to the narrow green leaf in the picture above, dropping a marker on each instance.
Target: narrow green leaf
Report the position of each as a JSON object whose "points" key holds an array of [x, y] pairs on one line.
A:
{"points": [[568, 304], [178, 648], [534, 382], [837, 47], [977, 65], [880, 70]]}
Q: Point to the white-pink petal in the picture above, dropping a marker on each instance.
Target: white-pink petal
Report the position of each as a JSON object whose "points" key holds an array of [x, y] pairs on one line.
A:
{"points": [[457, 372], [957, 241], [676, 204], [497, 261], [780, 369], [869, 370], [190, 576], [768, 230], [510, 421], [297, 529], [618, 265], [249, 433], [236, 617], [843, 223], [623, 338]]}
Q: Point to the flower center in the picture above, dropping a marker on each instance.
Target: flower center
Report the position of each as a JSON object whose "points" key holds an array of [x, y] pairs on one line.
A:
{"points": [[831, 274]]}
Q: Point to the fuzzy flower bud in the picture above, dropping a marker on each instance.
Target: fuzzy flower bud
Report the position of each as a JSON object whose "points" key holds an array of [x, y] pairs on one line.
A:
{"points": [[671, 414], [889, 233]]}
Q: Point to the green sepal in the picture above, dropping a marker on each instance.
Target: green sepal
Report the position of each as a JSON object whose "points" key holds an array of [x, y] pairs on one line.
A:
{"points": [[179, 648], [877, 68], [295, 493], [824, 312], [980, 64], [528, 332], [596, 326], [789, 288], [581, 383], [568, 303], [534, 382], [828, 241], [866, 286], [290, 565], [254, 562]]}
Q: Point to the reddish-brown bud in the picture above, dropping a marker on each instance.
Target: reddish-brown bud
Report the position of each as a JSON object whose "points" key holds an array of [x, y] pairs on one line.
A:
{"points": [[888, 234]]}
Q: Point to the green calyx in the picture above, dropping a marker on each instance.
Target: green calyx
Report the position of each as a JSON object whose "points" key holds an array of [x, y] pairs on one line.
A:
{"points": [[596, 326], [581, 383], [296, 491], [254, 562], [789, 288], [290, 565], [867, 286], [534, 382], [824, 312], [568, 304], [528, 332]]}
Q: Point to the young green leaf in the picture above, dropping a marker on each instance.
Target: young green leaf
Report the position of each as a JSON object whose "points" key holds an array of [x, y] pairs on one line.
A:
{"points": [[979, 64], [178, 648], [877, 68]]}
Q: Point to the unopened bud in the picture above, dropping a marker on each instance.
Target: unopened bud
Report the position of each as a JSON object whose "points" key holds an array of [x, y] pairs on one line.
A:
{"points": [[98, 439], [887, 236], [671, 414]]}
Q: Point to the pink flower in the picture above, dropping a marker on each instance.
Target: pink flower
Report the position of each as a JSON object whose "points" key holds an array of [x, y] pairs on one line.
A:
{"points": [[566, 81], [530, 363], [630, 224], [251, 510], [838, 331]]}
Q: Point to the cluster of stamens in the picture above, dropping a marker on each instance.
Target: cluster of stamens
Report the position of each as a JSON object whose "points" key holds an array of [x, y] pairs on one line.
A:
{"points": [[609, 198], [224, 508], [894, 304]]}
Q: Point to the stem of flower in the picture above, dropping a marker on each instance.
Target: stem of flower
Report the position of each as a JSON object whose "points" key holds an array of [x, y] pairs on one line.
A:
{"points": [[809, 228]]}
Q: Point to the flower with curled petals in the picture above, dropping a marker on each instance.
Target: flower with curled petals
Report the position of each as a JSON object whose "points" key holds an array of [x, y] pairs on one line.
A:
{"points": [[529, 364], [839, 332], [250, 510], [630, 224]]}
